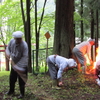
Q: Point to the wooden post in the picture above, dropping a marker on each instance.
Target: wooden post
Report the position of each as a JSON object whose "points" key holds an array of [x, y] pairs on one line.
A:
{"points": [[47, 35]]}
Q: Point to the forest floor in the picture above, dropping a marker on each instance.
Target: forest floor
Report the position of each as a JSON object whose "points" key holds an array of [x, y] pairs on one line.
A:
{"points": [[76, 87]]}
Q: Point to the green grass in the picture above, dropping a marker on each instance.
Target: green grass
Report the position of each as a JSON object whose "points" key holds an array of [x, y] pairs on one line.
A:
{"points": [[76, 87], [3, 73]]}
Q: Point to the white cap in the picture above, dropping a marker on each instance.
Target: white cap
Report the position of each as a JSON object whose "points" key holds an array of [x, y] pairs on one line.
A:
{"points": [[72, 62], [91, 40], [17, 34]]}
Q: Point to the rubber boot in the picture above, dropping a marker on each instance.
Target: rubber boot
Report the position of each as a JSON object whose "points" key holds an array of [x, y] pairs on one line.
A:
{"points": [[84, 70], [22, 91], [11, 90], [54, 84], [12, 87]]}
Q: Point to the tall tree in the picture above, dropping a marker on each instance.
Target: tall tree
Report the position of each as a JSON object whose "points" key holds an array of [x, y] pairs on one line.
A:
{"points": [[82, 33], [26, 23], [37, 30], [23, 17], [64, 33], [28, 32], [97, 27], [92, 23]]}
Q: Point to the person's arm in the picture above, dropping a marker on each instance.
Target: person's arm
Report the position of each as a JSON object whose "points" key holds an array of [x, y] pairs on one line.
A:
{"points": [[23, 62], [89, 56], [59, 77], [59, 74], [89, 53], [7, 51]]}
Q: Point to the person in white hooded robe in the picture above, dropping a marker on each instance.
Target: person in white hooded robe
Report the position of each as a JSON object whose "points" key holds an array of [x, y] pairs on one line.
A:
{"points": [[57, 65], [17, 50]]}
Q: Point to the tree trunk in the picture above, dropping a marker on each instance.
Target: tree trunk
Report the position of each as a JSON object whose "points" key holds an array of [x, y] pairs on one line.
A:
{"points": [[96, 33], [27, 29], [92, 32], [97, 28], [92, 23], [37, 37], [23, 18], [28, 34], [38, 31], [64, 31], [82, 33]]}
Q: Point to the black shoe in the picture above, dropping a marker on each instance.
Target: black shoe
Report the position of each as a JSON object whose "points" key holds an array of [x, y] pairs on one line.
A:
{"points": [[9, 93], [20, 96]]}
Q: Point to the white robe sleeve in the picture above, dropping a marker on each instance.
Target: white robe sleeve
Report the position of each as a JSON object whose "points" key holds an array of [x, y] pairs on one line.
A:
{"points": [[60, 71], [7, 51], [23, 62]]}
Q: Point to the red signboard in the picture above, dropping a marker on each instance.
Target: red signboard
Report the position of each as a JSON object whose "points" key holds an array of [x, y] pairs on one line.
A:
{"points": [[47, 35]]}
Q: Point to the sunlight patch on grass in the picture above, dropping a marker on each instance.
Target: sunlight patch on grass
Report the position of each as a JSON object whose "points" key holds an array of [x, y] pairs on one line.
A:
{"points": [[3, 73]]}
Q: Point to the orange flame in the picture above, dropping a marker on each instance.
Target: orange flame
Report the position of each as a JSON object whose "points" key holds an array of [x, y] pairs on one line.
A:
{"points": [[97, 56]]}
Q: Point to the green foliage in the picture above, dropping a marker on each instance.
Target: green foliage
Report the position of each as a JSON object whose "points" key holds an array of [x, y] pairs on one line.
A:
{"points": [[13, 15], [11, 18], [41, 59], [85, 17], [77, 17], [10, 12], [93, 4]]}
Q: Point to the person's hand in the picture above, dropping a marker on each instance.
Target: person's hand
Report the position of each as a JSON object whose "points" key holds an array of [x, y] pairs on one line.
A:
{"points": [[65, 69], [60, 83], [8, 57], [91, 62], [12, 63]]}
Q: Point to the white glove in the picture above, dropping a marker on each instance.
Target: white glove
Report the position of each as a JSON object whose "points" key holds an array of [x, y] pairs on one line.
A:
{"points": [[98, 82], [97, 79], [98, 75]]}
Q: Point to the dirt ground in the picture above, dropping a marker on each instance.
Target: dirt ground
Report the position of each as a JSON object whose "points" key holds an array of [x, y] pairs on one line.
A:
{"points": [[76, 87]]}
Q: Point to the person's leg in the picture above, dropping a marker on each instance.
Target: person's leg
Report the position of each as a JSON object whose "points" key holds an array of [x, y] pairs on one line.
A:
{"points": [[79, 67], [22, 86], [52, 69], [82, 61], [84, 66], [53, 73], [84, 69], [78, 56], [12, 80]]}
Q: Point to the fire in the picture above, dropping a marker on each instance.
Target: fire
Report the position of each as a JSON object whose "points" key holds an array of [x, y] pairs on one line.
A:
{"points": [[97, 56]]}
